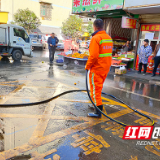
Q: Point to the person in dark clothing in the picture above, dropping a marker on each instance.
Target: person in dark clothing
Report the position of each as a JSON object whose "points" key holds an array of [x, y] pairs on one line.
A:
{"points": [[127, 46], [52, 43], [156, 59]]}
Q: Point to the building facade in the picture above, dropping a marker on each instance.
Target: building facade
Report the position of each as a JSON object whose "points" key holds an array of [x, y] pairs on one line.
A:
{"points": [[148, 24], [126, 20], [3, 16], [51, 12]]}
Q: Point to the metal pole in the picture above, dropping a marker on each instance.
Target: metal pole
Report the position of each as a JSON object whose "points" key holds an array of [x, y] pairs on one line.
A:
{"points": [[137, 42], [14, 137]]}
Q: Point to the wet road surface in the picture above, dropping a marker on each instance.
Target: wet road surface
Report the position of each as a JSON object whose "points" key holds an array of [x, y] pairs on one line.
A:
{"points": [[60, 129]]}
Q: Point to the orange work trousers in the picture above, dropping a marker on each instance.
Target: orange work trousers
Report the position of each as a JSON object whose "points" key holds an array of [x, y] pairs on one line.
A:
{"points": [[96, 84]]}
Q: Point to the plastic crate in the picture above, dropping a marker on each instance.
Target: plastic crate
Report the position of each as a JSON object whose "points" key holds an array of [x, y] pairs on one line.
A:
{"points": [[59, 61]]}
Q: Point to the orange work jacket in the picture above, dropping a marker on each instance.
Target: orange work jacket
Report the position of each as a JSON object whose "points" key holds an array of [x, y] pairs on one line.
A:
{"points": [[100, 53]]}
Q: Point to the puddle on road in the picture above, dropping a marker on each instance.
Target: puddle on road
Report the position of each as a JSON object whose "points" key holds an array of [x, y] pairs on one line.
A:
{"points": [[15, 132], [125, 88], [5, 90], [136, 86], [134, 89], [65, 150]]}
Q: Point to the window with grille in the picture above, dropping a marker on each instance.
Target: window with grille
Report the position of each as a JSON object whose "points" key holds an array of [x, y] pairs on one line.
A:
{"points": [[46, 11]]}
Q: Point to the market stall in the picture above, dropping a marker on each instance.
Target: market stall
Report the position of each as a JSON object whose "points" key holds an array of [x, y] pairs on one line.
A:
{"points": [[123, 32], [77, 58], [124, 58], [70, 45]]}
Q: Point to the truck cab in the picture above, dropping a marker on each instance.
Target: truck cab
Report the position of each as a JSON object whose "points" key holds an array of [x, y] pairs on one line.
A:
{"points": [[15, 42]]}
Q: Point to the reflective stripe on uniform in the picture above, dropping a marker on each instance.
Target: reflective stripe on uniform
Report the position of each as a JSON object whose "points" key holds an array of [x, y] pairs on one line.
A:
{"points": [[105, 55], [105, 41], [94, 93]]}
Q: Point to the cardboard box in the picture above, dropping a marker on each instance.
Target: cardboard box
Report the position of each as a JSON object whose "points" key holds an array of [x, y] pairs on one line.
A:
{"points": [[118, 71]]}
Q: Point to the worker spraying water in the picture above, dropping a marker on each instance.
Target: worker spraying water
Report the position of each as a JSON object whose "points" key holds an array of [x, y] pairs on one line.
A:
{"points": [[99, 63]]}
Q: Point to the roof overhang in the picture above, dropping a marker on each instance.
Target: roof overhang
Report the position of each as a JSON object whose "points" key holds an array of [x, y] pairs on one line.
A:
{"points": [[45, 1], [147, 9]]}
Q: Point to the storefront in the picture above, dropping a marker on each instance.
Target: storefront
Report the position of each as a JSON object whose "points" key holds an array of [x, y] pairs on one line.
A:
{"points": [[121, 30], [149, 25], [122, 27], [152, 33]]}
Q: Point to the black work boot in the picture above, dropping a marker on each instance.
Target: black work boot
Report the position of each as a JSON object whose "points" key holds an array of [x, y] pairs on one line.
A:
{"points": [[97, 112]]}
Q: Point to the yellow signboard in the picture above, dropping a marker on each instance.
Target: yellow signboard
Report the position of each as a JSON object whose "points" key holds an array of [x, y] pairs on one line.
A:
{"points": [[3, 17]]}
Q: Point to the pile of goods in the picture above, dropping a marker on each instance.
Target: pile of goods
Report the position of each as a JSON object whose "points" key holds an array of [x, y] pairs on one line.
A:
{"points": [[118, 63], [127, 56], [84, 55], [119, 43], [117, 57], [122, 63], [78, 55], [130, 53]]}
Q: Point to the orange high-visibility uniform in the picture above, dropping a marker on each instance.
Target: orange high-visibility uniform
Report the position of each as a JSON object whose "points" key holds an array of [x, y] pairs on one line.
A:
{"points": [[99, 63]]}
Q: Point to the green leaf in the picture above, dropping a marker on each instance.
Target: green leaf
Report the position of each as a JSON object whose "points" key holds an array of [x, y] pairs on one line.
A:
{"points": [[72, 26], [27, 19]]}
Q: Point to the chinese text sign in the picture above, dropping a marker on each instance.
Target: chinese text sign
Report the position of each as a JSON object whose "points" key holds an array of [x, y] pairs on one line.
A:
{"points": [[150, 27], [96, 5], [128, 23]]}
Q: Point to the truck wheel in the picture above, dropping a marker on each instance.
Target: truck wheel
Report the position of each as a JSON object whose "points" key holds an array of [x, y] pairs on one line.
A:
{"points": [[17, 55]]}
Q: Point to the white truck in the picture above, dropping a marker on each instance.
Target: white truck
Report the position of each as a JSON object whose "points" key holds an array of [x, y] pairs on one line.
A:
{"points": [[15, 42]]}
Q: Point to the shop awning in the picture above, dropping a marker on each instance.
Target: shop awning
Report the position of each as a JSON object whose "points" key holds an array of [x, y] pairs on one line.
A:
{"points": [[118, 13], [3, 17], [111, 14]]}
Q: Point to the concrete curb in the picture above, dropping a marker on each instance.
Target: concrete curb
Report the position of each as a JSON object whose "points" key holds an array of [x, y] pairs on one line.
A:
{"points": [[134, 75]]}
